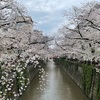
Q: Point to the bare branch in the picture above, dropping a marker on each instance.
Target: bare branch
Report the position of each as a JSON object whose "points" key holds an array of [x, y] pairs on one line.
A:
{"points": [[59, 46]]}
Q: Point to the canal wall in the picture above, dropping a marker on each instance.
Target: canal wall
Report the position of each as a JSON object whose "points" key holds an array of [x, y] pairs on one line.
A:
{"points": [[85, 75], [16, 86]]}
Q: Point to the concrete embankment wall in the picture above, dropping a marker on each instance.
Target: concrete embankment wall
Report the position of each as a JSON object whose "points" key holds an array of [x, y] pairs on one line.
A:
{"points": [[22, 81], [32, 71], [84, 75]]}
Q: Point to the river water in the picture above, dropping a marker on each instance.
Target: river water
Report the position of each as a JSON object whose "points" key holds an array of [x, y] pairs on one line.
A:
{"points": [[56, 86]]}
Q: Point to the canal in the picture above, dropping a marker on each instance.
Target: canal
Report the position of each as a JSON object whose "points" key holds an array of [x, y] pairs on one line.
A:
{"points": [[55, 86]]}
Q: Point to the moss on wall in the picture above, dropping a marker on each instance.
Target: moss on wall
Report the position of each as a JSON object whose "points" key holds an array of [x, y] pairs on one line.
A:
{"points": [[62, 62], [98, 87], [87, 78]]}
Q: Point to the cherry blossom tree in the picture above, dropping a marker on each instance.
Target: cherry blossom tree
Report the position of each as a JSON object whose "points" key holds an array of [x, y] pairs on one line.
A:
{"points": [[81, 34], [20, 45]]}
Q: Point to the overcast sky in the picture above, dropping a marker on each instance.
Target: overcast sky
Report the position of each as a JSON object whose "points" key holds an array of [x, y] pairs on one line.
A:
{"points": [[48, 14]]}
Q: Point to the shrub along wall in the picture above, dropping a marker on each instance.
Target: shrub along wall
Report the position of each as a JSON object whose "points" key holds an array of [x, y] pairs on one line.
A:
{"points": [[83, 74]]}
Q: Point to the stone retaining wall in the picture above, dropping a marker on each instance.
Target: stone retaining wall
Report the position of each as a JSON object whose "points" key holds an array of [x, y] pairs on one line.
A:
{"points": [[16, 91], [83, 74]]}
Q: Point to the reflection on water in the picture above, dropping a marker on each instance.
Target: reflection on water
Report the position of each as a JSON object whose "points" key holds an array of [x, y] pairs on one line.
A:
{"points": [[57, 86]]}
